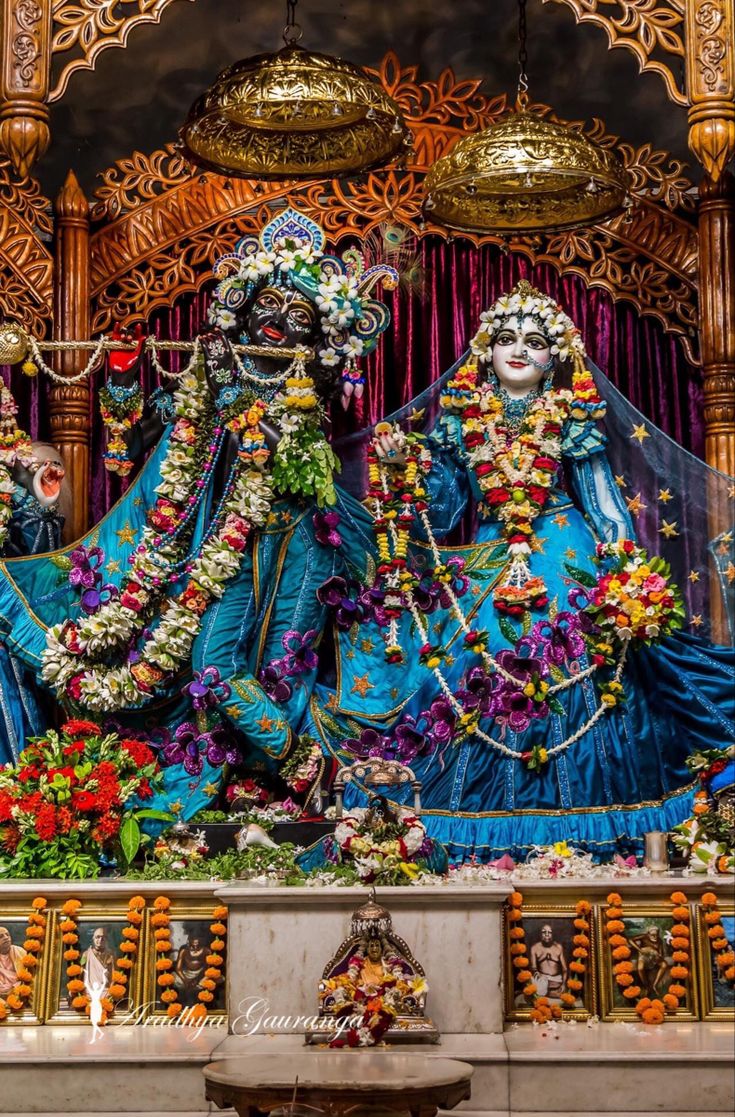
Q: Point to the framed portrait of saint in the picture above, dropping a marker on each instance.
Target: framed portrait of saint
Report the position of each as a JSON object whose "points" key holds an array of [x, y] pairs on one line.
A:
{"points": [[15, 973], [187, 966], [90, 968], [648, 933], [549, 947], [717, 992]]}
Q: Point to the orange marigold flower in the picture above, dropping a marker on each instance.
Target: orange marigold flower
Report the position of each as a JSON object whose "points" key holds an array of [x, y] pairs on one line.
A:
{"points": [[116, 991], [128, 947], [709, 899], [615, 926], [217, 959], [119, 978], [14, 1002], [680, 929], [205, 995], [207, 983], [39, 903], [23, 990], [163, 946], [522, 976], [71, 907], [617, 940], [34, 947], [29, 960], [537, 1016], [198, 1012], [700, 808], [24, 974], [623, 967], [631, 993], [137, 903], [680, 956], [124, 963], [515, 899], [712, 917], [680, 943], [164, 964], [614, 898], [584, 907], [574, 984], [621, 952], [67, 925], [220, 912], [580, 952], [577, 967], [730, 973], [36, 919], [581, 940], [161, 903], [521, 963], [720, 944], [160, 919], [678, 898], [71, 955], [35, 932], [3, 1009], [653, 1016], [515, 948], [173, 1010], [726, 959], [582, 924], [514, 915], [671, 1002], [169, 995], [717, 932], [166, 979], [218, 928], [162, 933], [80, 1001], [217, 944], [107, 1005], [530, 989], [677, 990], [680, 913], [624, 979], [131, 933], [679, 971], [69, 938], [134, 918], [613, 913], [517, 933], [75, 985], [74, 970], [568, 999]]}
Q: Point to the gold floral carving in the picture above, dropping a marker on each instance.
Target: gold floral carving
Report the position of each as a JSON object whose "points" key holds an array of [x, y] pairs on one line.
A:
{"points": [[26, 264], [158, 227], [653, 30], [87, 27]]}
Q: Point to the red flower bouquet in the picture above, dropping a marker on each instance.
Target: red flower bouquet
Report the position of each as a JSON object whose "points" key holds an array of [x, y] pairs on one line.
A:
{"points": [[65, 801]]}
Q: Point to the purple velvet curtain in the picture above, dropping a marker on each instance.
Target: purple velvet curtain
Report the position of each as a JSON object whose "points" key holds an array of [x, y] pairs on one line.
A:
{"points": [[431, 329]]}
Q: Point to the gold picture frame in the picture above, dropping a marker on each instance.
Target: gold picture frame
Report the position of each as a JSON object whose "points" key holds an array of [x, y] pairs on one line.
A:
{"points": [[646, 929], [14, 920], [100, 957], [188, 922], [560, 919], [717, 996]]}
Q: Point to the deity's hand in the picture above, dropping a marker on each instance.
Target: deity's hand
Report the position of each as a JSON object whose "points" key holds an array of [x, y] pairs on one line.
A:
{"points": [[389, 443], [123, 363], [219, 359]]}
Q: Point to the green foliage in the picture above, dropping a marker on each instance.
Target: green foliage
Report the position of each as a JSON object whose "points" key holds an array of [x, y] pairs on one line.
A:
{"points": [[304, 464], [582, 576]]}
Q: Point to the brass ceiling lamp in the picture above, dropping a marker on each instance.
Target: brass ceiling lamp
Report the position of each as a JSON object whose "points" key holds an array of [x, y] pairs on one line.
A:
{"points": [[524, 174], [293, 114]]}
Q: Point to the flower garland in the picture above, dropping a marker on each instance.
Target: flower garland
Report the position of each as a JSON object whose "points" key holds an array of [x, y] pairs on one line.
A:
{"points": [[379, 1008], [721, 948], [382, 849], [650, 1010], [79, 998], [16, 1000], [541, 1009], [161, 922], [121, 408], [71, 661]]}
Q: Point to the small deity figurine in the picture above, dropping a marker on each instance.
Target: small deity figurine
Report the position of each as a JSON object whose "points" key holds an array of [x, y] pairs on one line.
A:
{"points": [[531, 679], [373, 972]]}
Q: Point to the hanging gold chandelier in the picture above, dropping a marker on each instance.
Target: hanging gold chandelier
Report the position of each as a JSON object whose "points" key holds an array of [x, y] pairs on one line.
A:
{"points": [[525, 174], [293, 114]]}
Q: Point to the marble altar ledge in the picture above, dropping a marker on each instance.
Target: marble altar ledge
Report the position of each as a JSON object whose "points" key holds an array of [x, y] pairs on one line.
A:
{"points": [[71, 1044]]}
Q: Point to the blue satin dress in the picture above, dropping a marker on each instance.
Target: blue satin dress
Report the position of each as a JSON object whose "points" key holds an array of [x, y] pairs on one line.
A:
{"points": [[625, 776]]}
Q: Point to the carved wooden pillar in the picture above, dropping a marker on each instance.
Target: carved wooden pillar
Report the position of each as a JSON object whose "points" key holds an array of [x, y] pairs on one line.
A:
{"points": [[717, 318], [25, 42], [69, 404]]}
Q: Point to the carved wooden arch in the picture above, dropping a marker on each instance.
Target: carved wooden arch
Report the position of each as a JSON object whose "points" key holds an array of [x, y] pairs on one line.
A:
{"points": [[158, 227]]}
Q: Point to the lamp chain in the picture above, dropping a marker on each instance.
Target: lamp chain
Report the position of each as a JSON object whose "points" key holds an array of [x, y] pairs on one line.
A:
{"points": [[292, 30], [522, 94]]}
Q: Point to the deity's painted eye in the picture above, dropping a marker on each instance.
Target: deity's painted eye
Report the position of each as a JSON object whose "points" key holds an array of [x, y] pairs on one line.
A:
{"points": [[301, 316], [536, 341], [505, 337], [268, 300]]}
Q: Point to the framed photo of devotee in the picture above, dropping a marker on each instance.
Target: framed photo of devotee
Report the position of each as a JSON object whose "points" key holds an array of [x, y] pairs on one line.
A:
{"points": [[16, 975], [549, 948], [94, 961], [717, 990], [186, 975], [649, 933]]}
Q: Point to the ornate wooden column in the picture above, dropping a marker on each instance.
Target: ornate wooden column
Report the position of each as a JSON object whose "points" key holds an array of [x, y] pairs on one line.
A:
{"points": [[69, 404], [25, 61]]}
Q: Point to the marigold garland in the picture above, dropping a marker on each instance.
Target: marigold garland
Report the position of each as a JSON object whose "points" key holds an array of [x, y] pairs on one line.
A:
{"points": [[541, 1009], [721, 947], [19, 996], [79, 998], [650, 1010]]}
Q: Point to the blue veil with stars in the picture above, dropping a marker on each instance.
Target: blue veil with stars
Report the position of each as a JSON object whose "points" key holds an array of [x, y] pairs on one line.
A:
{"points": [[681, 508]]}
